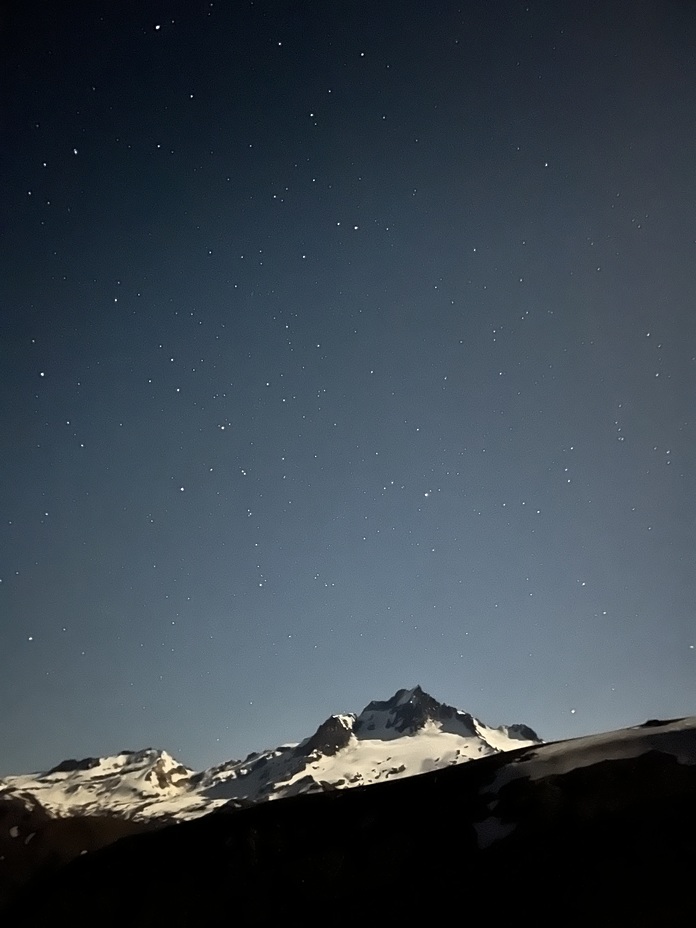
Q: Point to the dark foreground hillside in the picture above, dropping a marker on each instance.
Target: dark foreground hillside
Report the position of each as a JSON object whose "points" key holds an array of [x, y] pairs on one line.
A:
{"points": [[602, 842]]}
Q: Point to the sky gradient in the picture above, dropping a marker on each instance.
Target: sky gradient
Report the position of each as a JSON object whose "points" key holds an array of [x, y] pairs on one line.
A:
{"points": [[344, 346]]}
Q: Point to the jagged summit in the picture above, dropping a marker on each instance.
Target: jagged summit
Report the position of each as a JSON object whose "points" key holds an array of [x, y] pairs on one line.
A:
{"points": [[408, 734], [410, 710], [407, 712]]}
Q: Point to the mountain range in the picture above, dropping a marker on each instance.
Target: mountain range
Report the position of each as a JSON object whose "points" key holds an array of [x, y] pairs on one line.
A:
{"points": [[410, 733], [377, 818]]}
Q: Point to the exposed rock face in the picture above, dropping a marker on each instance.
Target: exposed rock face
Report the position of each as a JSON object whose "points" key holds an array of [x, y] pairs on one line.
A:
{"points": [[330, 737], [68, 766], [408, 711], [167, 776], [523, 732]]}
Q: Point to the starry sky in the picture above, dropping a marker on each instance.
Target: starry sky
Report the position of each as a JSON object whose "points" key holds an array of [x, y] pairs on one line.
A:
{"points": [[344, 346]]}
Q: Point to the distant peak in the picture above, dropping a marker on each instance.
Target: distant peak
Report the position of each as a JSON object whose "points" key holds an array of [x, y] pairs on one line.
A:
{"points": [[70, 765], [521, 732], [124, 760]]}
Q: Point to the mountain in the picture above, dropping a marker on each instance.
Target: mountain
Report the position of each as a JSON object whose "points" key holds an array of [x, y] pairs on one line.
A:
{"points": [[79, 806], [598, 830], [411, 733]]}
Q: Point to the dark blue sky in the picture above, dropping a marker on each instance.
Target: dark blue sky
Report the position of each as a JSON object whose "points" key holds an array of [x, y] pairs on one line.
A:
{"points": [[344, 347]]}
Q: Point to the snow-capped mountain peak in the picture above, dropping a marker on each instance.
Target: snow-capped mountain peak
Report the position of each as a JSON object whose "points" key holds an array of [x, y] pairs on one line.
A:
{"points": [[127, 783], [408, 712], [151, 766], [408, 734]]}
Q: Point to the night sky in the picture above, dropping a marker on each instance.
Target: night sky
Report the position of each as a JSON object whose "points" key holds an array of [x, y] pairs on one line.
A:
{"points": [[344, 346]]}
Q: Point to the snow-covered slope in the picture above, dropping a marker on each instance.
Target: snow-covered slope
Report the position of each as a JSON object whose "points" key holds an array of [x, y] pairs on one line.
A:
{"points": [[668, 740], [130, 783], [410, 733]]}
